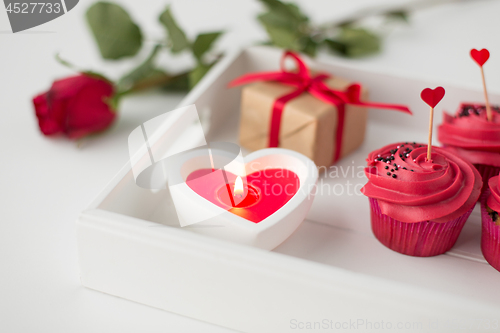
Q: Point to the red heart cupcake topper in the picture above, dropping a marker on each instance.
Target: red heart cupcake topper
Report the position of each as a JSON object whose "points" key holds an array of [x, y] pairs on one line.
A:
{"points": [[480, 57], [432, 96]]}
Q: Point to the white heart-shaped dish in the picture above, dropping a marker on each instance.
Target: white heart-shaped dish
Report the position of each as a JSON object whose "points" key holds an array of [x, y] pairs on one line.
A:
{"points": [[220, 223]]}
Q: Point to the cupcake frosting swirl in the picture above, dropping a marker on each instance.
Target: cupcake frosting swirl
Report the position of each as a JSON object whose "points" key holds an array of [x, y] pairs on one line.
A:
{"points": [[494, 197], [470, 134], [409, 188]]}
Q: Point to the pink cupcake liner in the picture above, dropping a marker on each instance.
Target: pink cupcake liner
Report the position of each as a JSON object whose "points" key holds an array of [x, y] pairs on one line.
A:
{"points": [[419, 239], [490, 237], [486, 171]]}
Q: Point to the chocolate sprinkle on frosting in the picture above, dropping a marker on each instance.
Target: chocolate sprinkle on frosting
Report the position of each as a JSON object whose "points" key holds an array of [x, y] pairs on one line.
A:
{"points": [[476, 109]]}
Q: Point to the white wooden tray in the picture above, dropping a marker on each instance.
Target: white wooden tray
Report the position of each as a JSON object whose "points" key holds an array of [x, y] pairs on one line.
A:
{"points": [[331, 273]]}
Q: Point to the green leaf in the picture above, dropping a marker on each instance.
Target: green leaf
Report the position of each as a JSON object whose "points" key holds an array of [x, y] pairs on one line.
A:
{"points": [[113, 102], [296, 12], [144, 70], [278, 21], [355, 42], [203, 43], [284, 16], [198, 73], [287, 27], [175, 34], [116, 34], [346, 23], [309, 47], [336, 46], [97, 75], [285, 10], [283, 37], [66, 63], [399, 15]]}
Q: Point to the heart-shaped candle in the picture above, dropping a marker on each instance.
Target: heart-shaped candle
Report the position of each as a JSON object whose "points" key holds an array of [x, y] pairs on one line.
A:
{"points": [[278, 187], [268, 191]]}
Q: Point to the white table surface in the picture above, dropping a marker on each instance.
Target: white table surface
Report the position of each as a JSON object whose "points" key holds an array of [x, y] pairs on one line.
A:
{"points": [[45, 183]]}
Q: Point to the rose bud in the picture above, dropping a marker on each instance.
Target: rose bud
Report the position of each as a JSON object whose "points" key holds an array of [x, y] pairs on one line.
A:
{"points": [[76, 106]]}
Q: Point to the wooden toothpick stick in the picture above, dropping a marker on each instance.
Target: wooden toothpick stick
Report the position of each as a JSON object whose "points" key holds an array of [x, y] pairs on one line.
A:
{"points": [[429, 145], [432, 97], [489, 114]]}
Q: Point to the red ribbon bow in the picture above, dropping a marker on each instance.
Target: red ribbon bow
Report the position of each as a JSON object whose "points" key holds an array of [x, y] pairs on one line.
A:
{"points": [[304, 82]]}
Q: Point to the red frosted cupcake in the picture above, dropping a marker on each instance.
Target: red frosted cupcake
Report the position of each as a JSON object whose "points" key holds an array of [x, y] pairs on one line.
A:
{"points": [[419, 207], [470, 135], [490, 235]]}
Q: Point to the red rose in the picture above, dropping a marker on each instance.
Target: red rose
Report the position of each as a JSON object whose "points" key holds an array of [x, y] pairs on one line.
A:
{"points": [[75, 106]]}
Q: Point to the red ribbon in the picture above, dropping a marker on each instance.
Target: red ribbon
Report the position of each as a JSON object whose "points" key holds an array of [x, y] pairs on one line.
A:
{"points": [[304, 82]]}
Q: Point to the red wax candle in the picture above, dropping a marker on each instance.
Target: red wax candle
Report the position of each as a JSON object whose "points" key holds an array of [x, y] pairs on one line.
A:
{"points": [[268, 190]]}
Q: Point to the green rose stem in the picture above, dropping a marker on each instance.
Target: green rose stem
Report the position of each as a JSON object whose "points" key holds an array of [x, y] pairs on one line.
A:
{"points": [[153, 82]]}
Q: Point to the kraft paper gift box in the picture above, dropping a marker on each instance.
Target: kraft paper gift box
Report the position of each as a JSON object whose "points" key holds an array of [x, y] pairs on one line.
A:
{"points": [[308, 125]]}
